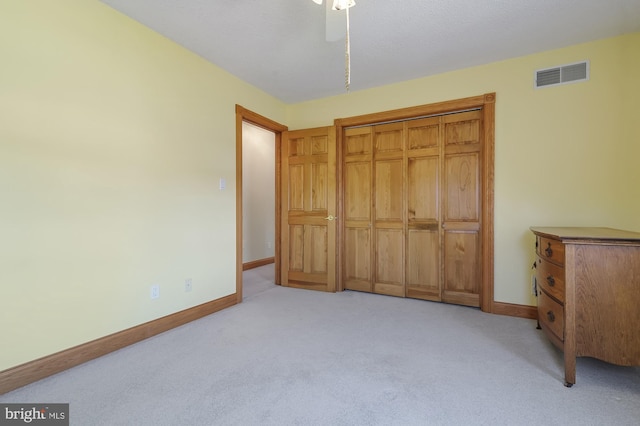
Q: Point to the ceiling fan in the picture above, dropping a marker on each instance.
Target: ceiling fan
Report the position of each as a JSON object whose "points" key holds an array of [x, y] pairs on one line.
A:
{"points": [[334, 23]]}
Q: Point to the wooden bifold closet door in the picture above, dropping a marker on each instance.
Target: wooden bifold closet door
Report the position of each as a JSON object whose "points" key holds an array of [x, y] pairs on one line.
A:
{"points": [[412, 208]]}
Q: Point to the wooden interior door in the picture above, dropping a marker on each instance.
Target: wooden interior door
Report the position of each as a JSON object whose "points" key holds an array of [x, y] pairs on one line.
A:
{"points": [[308, 196]]}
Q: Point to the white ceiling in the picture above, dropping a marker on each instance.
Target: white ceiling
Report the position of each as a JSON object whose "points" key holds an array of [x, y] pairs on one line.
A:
{"points": [[279, 46]]}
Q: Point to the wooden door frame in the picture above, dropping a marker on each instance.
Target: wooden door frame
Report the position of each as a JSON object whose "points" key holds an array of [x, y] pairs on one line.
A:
{"points": [[486, 103], [243, 114]]}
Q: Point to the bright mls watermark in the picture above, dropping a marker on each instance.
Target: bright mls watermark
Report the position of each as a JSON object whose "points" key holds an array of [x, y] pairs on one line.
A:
{"points": [[34, 414]]}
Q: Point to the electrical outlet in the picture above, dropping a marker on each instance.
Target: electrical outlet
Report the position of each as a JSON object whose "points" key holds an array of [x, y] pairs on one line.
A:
{"points": [[155, 291], [268, 244], [187, 284]]}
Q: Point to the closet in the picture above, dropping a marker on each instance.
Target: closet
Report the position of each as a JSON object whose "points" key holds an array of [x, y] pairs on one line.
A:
{"points": [[412, 207]]}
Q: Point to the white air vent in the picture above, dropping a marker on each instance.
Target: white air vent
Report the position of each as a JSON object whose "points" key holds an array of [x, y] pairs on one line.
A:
{"points": [[563, 74]]}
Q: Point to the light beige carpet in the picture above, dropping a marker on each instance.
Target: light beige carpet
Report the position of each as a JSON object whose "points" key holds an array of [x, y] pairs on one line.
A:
{"points": [[297, 357]]}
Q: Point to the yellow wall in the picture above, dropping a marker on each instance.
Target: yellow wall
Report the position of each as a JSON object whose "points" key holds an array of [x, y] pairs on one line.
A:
{"points": [[565, 155], [629, 175], [112, 141]]}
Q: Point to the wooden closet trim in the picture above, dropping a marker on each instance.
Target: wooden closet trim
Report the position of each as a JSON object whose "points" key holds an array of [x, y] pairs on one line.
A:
{"points": [[484, 102]]}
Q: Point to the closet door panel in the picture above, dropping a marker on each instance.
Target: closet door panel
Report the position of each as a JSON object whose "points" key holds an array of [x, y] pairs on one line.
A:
{"points": [[388, 190], [423, 186], [462, 196], [388, 261], [357, 142], [463, 128], [357, 183], [388, 181], [357, 266], [357, 210], [423, 133], [423, 264], [462, 208], [388, 139], [461, 272], [423, 270]]}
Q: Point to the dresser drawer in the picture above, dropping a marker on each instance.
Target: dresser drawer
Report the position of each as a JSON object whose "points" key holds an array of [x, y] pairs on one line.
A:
{"points": [[551, 315], [550, 278], [550, 249]]}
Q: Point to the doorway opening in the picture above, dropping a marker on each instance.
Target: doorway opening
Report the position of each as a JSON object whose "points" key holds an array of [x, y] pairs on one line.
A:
{"points": [[258, 242], [258, 196], [258, 209]]}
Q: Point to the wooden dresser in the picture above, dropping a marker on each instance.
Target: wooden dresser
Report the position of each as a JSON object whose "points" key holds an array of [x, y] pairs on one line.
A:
{"points": [[588, 282]]}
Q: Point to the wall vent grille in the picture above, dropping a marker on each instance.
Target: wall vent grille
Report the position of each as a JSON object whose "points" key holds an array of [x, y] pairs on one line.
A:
{"points": [[570, 73]]}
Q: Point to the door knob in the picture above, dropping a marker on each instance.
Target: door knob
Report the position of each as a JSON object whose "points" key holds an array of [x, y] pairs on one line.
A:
{"points": [[331, 217]]}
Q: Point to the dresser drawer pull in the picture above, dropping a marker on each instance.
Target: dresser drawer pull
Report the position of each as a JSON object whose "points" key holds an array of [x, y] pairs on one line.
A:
{"points": [[548, 251], [551, 317], [551, 280]]}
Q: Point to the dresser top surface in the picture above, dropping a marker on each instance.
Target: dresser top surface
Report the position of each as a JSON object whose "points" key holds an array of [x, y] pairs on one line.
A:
{"points": [[568, 233]]}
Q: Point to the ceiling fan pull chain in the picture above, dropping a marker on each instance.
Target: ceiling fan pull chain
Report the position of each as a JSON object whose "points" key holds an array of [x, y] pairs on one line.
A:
{"points": [[347, 76]]}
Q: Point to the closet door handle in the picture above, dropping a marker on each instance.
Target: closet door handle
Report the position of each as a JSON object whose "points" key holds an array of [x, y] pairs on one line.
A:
{"points": [[331, 217]]}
